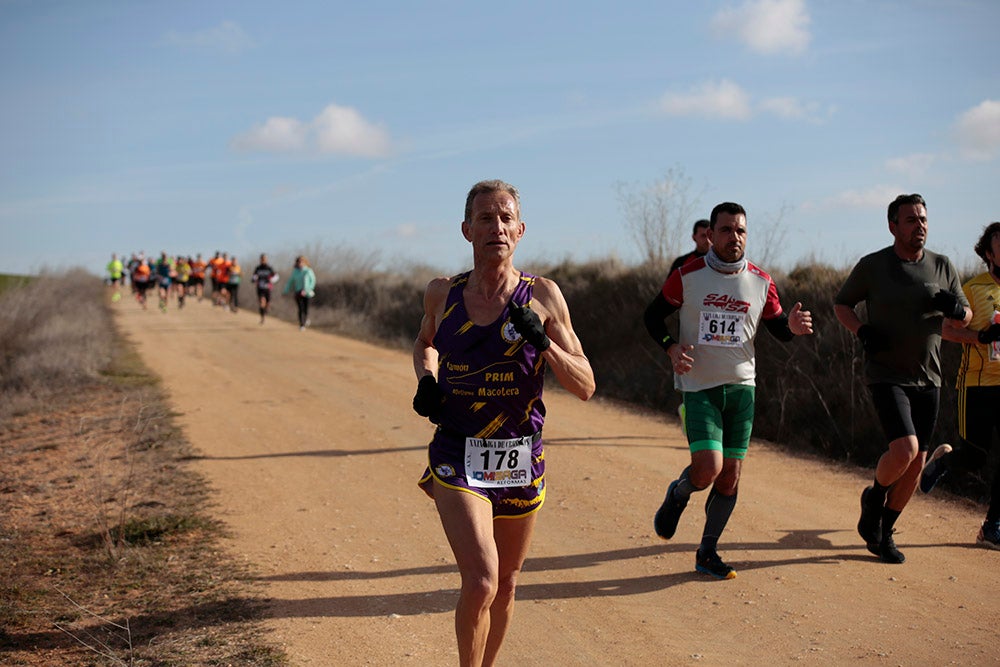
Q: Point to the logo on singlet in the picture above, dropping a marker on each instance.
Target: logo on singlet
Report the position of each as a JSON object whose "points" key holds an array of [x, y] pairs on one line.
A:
{"points": [[509, 333], [726, 303]]}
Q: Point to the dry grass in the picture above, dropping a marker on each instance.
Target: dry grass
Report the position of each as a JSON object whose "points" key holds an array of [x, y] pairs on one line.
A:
{"points": [[111, 555]]}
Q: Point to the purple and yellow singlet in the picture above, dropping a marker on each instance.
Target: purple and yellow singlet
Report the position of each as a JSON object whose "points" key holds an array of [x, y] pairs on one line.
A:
{"points": [[488, 441]]}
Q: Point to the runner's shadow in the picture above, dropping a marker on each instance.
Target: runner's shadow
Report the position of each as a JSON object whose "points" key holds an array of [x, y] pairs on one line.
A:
{"points": [[812, 539], [444, 600], [319, 453], [607, 441], [544, 564]]}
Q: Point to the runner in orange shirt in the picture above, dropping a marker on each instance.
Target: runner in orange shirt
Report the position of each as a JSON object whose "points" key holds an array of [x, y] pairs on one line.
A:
{"points": [[222, 273], [140, 280], [196, 285], [214, 266]]}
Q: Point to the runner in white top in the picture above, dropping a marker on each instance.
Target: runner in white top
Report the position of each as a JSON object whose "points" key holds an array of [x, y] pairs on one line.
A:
{"points": [[722, 299]]}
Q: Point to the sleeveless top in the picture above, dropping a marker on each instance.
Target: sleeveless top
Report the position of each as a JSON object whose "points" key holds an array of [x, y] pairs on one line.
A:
{"points": [[720, 315], [492, 380], [978, 368]]}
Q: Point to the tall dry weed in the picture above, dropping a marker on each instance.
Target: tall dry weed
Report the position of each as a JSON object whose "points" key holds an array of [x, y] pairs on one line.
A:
{"points": [[53, 334]]}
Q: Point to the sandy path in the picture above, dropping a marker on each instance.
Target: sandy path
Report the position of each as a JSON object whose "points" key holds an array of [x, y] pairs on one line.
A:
{"points": [[314, 450]]}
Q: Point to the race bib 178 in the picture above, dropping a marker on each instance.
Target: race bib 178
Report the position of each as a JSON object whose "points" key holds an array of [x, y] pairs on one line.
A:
{"points": [[493, 463]]}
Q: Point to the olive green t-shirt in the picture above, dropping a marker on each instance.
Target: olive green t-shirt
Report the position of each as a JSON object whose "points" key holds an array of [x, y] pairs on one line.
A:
{"points": [[897, 295]]}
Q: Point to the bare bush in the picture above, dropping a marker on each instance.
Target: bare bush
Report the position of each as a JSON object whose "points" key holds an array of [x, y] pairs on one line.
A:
{"points": [[659, 215], [769, 233], [51, 335]]}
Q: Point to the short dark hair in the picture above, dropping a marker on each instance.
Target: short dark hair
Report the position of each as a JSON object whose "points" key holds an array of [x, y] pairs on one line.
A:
{"points": [[986, 241], [904, 199], [725, 207], [494, 185], [700, 224]]}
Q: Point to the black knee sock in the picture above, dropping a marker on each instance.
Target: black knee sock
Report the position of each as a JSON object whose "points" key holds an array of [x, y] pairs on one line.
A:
{"points": [[888, 521], [876, 498], [993, 513], [718, 509]]}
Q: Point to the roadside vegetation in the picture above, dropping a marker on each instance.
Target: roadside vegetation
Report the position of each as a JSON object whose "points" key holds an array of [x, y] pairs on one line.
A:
{"points": [[110, 553]]}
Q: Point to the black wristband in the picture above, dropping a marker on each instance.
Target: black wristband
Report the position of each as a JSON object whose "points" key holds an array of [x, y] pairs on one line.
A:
{"points": [[991, 334]]}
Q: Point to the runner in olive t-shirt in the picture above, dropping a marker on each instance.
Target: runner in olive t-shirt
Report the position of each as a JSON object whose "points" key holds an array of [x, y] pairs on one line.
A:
{"points": [[908, 292]]}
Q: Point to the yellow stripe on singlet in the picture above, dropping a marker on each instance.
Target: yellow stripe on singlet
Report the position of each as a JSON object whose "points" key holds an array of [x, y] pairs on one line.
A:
{"points": [[492, 427]]}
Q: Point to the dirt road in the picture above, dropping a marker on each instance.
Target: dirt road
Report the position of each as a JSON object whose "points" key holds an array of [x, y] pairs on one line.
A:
{"points": [[314, 450]]}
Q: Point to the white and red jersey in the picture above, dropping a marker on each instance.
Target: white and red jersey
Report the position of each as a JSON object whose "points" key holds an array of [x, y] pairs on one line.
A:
{"points": [[719, 315]]}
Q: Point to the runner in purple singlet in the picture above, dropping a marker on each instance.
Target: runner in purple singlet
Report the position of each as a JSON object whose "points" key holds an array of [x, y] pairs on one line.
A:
{"points": [[485, 340]]}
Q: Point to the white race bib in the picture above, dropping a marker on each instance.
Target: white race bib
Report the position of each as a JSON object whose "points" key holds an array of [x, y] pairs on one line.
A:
{"points": [[494, 463], [721, 329]]}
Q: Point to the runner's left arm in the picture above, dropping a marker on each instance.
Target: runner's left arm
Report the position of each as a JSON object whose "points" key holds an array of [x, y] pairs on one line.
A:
{"points": [[565, 355]]}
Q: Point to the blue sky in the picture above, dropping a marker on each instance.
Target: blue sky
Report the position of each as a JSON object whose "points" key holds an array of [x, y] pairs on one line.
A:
{"points": [[249, 126]]}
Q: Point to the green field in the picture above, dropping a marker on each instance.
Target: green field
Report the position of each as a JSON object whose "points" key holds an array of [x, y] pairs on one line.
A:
{"points": [[7, 281]]}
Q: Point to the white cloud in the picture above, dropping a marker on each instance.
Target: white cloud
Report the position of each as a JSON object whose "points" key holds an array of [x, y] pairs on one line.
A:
{"points": [[408, 230], [343, 130], [791, 108], [877, 196], [913, 165], [723, 99], [766, 26], [227, 37], [978, 131], [336, 130], [278, 135], [727, 100]]}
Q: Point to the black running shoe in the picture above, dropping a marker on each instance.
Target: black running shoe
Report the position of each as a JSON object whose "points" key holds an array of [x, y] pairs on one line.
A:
{"points": [[888, 552], [710, 563], [989, 535], [665, 521], [870, 523], [933, 470]]}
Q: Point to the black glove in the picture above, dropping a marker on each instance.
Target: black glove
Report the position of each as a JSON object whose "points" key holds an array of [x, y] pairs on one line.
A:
{"points": [[429, 399], [527, 323], [872, 340], [990, 335], [948, 304]]}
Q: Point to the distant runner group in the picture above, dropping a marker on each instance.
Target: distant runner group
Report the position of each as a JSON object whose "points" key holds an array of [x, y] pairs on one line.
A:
{"points": [[179, 277]]}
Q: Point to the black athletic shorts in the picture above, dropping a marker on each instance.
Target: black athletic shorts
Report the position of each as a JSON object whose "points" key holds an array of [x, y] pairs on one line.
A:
{"points": [[904, 411], [979, 415]]}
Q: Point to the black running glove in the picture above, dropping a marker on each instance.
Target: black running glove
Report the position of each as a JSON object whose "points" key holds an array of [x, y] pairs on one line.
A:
{"points": [[948, 304], [990, 335], [527, 323], [429, 399], [872, 340]]}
